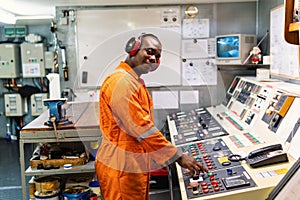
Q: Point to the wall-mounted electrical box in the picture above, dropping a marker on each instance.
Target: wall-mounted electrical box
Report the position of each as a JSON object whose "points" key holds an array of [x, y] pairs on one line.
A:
{"points": [[37, 104], [33, 64], [15, 105], [9, 61], [49, 58]]}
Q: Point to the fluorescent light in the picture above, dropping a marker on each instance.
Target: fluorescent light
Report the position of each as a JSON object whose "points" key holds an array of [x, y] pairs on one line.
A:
{"points": [[7, 17], [34, 19], [23, 17]]}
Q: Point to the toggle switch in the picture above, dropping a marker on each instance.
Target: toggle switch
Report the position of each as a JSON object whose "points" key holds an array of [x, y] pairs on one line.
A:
{"points": [[229, 171]]}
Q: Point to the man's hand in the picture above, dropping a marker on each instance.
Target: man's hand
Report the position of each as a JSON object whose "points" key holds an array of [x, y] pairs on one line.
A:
{"points": [[191, 164]]}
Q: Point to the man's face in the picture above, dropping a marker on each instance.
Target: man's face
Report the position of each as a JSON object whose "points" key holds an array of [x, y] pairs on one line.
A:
{"points": [[147, 56]]}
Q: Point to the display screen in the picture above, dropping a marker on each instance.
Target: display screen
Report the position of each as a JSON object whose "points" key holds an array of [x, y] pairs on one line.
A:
{"points": [[228, 47], [235, 181]]}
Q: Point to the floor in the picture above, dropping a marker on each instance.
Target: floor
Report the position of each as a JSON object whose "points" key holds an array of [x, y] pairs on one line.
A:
{"points": [[10, 181]]}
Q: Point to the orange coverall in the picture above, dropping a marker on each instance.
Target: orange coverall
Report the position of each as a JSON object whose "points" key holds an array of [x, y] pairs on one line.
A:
{"points": [[130, 139]]}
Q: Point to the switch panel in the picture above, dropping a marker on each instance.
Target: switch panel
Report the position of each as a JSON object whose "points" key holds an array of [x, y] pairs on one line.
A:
{"points": [[37, 104], [9, 61], [15, 105], [33, 64]]}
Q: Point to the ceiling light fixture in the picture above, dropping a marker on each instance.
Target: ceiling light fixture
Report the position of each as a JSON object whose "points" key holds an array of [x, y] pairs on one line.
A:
{"points": [[34, 17]]}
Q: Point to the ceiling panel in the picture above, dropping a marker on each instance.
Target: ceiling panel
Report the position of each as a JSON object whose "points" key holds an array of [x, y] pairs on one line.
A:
{"points": [[39, 7], [41, 11]]}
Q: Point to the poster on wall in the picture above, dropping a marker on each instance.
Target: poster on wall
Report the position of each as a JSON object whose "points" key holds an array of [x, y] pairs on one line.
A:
{"points": [[198, 48], [199, 72], [284, 56], [195, 28]]}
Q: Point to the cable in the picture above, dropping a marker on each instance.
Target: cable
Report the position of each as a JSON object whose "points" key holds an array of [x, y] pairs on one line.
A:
{"points": [[14, 84], [44, 87], [21, 121], [37, 85]]}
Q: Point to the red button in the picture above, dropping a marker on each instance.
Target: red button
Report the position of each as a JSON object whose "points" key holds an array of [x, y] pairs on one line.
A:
{"points": [[203, 184], [214, 183], [206, 191], [216, 188], [204, 187]]}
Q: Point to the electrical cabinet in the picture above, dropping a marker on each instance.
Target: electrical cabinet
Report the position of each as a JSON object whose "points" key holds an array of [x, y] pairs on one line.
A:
{"points": [[9, 61], [15, 105], [37, 105], [33, 64]]}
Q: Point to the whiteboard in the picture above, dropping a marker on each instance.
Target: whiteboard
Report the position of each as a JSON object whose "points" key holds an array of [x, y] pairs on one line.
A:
{"points": [[102, 35], [284, 56]]}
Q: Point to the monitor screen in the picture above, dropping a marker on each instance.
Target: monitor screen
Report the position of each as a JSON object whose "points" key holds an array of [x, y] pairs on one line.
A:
{"points": [[228, 46]]}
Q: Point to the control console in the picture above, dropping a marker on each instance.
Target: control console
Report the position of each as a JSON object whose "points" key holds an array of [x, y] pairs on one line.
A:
{"points": [[223, 174], [250, 114], [211, 154], [196, 125], [217, 182]]}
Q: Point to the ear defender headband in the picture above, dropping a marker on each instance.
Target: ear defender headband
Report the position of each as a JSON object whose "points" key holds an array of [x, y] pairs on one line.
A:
{"points": [[133, 46]]}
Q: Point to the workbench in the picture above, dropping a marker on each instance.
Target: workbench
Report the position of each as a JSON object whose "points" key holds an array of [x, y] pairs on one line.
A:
{"points": [[84, 128]]}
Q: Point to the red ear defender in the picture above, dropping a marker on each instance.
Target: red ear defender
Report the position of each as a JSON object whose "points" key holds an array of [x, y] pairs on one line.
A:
{"points": [[155, 66], [133, 46]]}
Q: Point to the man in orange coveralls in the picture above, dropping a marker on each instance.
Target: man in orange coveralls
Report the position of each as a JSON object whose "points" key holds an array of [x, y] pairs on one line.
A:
{"points": [[130, 139]]}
